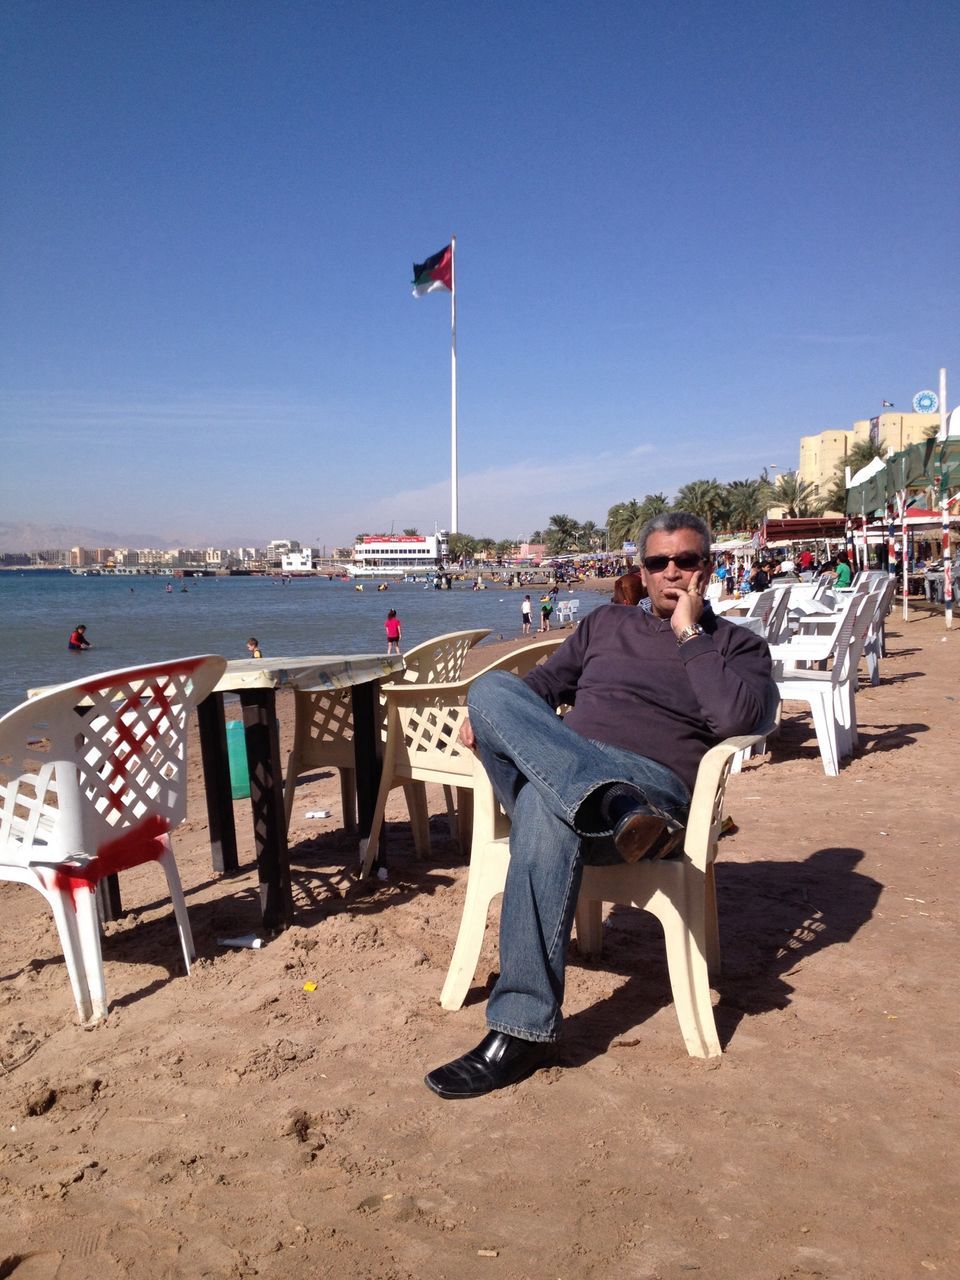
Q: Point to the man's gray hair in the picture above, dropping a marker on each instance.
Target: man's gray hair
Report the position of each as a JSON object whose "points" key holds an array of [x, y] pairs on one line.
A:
{"points": [[673, 522]]}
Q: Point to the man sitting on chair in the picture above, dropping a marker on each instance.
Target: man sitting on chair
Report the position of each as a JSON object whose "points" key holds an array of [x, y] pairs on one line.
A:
{"points": [[651, 693]]}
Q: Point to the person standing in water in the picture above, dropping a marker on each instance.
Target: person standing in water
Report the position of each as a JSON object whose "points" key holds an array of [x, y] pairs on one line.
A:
{"points": [[392, 626], [253, 648], [78, 638]]}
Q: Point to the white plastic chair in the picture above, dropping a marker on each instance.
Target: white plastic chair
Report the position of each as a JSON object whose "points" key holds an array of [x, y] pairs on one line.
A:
{"points": [[874, 647], [830, 694], [95, 785], [323, 718], [423, 726], [680, 892]]}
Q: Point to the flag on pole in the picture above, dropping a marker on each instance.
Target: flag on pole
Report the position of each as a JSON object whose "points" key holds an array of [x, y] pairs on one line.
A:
{"points": [[887, 404], [436, 273]]}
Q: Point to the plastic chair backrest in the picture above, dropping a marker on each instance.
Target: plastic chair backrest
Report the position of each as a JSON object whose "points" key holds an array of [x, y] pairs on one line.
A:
{"points": [[110, 755], [423, 721], [440, 659]]}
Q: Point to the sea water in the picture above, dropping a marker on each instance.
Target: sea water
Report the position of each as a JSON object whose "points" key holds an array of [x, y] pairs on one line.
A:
{"points": [[132, 620]]}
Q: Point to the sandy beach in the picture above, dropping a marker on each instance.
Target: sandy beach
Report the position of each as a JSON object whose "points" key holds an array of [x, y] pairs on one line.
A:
{"points": [[238, 1124]]}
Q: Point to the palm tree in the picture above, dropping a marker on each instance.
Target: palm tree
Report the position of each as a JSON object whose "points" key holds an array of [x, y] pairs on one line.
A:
{"points": [[462, 546], [797, 497], [411, 533], [747, 502], [562, 535], [706, 499], [623, 519], [591, 536], [653, 504]]}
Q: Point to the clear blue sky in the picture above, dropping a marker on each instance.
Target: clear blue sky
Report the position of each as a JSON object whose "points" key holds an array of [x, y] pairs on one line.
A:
{"points": [[688, 232]]}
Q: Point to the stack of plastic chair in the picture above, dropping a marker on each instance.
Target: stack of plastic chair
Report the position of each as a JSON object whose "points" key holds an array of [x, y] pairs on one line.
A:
{"points": [[830, 694], [95, 785], [679, 891], [323, 722], [423, 726]]}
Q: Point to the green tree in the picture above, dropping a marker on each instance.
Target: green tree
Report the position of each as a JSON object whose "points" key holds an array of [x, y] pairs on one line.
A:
{"points": [[505, 548], [562, 535], [797, 497], [462, 546], [622, 519], [591, 537], [747, 502], [654, 504], [706, 499], [411, 533]]}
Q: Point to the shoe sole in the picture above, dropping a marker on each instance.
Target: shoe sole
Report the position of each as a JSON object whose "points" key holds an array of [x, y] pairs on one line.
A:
{"points": [[644, 835]]}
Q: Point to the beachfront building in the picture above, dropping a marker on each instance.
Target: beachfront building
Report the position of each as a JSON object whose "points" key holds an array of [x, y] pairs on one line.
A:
{"points": [[382, 555], [297, 562], [819, 455]]}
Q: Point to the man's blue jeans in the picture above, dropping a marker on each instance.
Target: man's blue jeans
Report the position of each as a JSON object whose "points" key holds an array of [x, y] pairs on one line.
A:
{"points": [[547, 777]]}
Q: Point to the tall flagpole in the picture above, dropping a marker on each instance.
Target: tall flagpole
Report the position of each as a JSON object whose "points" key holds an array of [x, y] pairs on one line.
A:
{"points": [[454, 521]]}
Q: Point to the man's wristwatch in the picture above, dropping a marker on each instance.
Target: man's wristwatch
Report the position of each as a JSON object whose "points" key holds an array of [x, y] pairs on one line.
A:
{"points": [[689, 633]]}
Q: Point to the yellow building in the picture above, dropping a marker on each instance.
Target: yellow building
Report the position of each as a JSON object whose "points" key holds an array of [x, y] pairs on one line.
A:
{"points": [[820, 454]]}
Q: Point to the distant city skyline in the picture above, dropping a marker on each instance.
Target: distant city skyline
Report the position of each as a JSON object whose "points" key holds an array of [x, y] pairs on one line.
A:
{"points": [[687, 235]]}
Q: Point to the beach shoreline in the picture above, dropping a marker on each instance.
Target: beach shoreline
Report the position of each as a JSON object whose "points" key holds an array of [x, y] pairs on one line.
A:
{"points": [[266, 1116]]}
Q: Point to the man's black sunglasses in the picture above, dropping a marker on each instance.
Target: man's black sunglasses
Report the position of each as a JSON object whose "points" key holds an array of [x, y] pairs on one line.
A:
{"points": [[685, 560]]}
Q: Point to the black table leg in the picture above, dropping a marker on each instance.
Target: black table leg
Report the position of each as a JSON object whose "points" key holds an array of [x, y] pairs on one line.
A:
{"points": [[367, 750], [108, 898], [216, 776], [266, 798]]}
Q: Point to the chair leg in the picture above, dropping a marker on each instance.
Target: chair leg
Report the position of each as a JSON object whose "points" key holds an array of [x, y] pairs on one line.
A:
{"points": [[588, 919], [169, 865], [348, 800], [452, 817], [65, 918], [486, 878], [370, 845], [416, 796], [822, 711], [464, 818], [88, 929], [685, 934], [289, 786], [711, 924]]}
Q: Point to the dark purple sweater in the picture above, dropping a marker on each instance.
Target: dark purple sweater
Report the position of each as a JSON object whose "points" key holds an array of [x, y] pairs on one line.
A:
{"points": [[634, 687]]}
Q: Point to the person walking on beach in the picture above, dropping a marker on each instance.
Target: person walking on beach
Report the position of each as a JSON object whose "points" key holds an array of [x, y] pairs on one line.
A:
{"points": [[526, 615], [546, 608], [253, 648], [78, 638], [394, 631]]}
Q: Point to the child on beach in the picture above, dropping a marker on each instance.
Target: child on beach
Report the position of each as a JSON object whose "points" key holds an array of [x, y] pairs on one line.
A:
{"points": [[253, 648], [78, 638], [526, 611], [392, 627]]}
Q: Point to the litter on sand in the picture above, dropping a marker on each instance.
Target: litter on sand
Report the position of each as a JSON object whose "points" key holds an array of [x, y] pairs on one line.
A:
{"points": [[317, 813], [248, 940]]}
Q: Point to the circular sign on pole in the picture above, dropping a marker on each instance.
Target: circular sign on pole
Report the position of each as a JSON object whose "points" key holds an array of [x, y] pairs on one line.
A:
{"points": [[926, 402]]}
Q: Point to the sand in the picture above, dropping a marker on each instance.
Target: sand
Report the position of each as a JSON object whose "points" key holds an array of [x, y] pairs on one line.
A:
{"points": [[236, 1123]]}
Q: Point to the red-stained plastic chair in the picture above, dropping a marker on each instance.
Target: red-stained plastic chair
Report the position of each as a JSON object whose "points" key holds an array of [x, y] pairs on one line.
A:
{"points": [[94, 781]]}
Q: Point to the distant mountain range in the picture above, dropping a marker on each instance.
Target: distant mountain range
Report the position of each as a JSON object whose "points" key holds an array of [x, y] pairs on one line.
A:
{"points": [[40, 537]]}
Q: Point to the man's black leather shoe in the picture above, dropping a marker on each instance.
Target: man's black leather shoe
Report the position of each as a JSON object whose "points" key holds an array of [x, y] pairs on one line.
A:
{"points": [[498, 1060], [641, 833]]}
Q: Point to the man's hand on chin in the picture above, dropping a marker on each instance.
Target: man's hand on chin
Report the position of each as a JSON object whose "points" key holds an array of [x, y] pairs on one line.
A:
{"points": [[689, 606]]}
